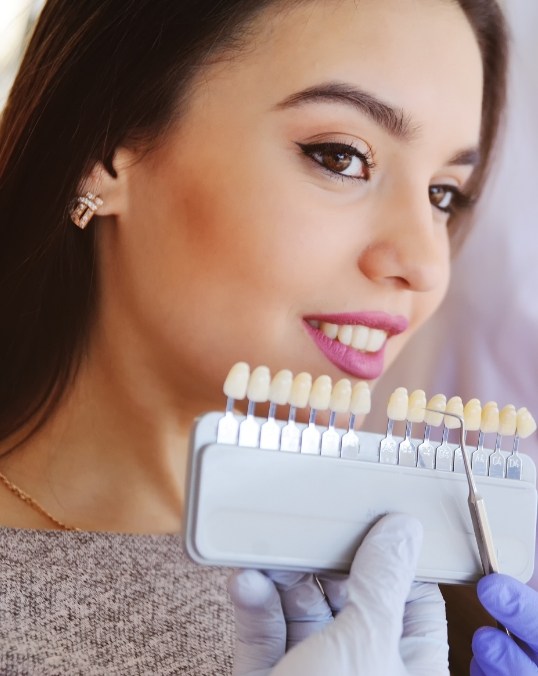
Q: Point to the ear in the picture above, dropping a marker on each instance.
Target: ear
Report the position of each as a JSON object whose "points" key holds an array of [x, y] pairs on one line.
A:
{"points": [[110, 184]]}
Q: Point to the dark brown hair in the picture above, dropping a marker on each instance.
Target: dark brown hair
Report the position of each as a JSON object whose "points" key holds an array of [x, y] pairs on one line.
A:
{"points": [[98, 74]]}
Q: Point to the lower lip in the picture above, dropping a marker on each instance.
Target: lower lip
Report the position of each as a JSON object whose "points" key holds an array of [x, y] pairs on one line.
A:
{"points": [[363, 365]]}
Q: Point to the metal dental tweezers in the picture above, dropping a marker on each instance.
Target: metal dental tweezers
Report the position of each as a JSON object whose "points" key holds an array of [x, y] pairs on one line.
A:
{"points": [[479, 517]]}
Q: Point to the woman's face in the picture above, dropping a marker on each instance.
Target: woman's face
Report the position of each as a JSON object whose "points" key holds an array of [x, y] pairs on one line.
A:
{"points": [[302, 200]]}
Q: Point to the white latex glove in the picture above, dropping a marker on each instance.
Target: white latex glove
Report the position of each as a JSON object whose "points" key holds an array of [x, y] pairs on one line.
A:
{"points": [[374, 623]]}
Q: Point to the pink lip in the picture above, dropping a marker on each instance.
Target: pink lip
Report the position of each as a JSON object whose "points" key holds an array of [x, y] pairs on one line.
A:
{"points": [[364, 365]]}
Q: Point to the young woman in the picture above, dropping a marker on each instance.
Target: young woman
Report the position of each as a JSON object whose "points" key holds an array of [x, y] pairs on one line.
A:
{"points": [[264, 175]]}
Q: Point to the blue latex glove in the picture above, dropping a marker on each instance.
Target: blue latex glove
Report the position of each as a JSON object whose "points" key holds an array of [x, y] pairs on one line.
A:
{"points": [[516, 606], [376, 622]]}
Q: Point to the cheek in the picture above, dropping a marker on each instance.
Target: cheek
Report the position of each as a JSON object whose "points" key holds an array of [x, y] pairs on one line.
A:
{"points": [[424, 306], [257, 240]]}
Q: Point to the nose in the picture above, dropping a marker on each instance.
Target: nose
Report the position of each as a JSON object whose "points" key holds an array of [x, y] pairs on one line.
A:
{"points": [[409, 247]]}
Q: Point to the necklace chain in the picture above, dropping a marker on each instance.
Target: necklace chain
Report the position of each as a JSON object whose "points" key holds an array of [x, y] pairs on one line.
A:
{"points": [[33, 504]]}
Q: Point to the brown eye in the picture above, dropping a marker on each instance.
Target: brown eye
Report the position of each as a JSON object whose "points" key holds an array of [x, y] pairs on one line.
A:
{"points": [[337, 162], [340, 159], [442, 196]]}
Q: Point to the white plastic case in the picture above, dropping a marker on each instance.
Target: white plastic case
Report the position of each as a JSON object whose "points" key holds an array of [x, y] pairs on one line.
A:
{"points": [[249, 507]]}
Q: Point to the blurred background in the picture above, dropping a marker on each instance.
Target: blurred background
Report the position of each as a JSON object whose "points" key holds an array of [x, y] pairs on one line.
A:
{"points": [[16, 20]]}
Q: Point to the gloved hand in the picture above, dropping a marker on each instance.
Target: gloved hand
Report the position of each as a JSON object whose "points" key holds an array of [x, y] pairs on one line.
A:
{"points": [[384, 624], [516, 606]]}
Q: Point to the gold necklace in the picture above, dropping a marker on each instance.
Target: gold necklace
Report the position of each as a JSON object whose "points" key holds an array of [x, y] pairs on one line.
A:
{"points": [[33, 504]]}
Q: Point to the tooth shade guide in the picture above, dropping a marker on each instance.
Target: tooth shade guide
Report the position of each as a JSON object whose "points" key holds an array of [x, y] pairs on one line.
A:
{"points": [[339, 474], [333, 441]]}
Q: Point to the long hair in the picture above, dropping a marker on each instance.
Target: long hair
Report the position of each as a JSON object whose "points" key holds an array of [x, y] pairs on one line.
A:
{"points": [[96, 75]]}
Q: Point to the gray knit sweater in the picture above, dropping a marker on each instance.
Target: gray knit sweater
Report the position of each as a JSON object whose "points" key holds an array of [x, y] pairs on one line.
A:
{"points": [[105, 604]]}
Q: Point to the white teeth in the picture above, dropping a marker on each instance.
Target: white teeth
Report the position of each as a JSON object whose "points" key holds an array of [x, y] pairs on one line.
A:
{"points": [[330, 330], [376, 340], [359, 337], [345, 333]]}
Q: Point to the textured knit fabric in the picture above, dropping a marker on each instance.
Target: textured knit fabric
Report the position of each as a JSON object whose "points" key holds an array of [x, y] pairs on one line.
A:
{"points": [[105, 604]]}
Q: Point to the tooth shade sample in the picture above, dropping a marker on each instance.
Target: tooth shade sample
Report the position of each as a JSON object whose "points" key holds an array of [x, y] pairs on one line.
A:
{"points": [[300, 390], [280, 388], [235, 385], [454, 405], [361, 399], [360, 337], [258, 384], [526, 425], [320, 394], [397, 405], [376, 340], [472, 415], [341, 396], [330, 330], [507, 421], [344, 334], [417, 405], [438, 403], [489, 421]]}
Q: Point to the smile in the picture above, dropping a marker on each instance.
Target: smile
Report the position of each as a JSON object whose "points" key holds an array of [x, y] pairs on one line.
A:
{"points": [[355, 342]]}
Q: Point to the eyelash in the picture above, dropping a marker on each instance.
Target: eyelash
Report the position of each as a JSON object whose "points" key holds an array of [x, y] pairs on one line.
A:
{"points": [[334, 148]]}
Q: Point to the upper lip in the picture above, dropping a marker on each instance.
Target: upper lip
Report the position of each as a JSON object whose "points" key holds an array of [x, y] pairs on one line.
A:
{"points": [[392, 324]]}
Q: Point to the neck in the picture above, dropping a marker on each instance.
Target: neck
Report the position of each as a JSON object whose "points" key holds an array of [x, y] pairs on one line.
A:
{"points": [[112, 457]]}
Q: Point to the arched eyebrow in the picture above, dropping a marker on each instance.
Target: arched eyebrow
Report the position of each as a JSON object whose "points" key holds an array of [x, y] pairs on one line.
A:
{"points": [[390, 118]]}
